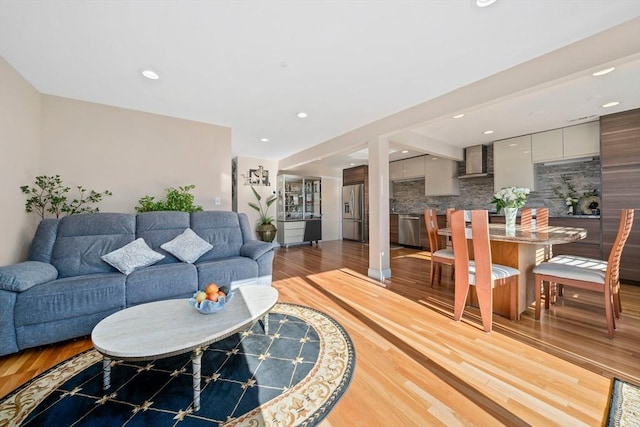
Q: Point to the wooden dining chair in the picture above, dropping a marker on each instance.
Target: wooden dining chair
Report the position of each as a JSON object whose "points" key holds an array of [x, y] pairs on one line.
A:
{"points": [[541, 217], [439, 253], [595, 279], [480, 272]]}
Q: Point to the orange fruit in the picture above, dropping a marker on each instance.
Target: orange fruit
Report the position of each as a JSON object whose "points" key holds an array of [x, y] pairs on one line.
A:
{"points": [[213, 297], [211, 288]]}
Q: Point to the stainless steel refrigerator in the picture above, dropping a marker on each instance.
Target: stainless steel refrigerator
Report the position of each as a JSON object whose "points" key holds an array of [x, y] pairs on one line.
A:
{"points": [[353, 212]]}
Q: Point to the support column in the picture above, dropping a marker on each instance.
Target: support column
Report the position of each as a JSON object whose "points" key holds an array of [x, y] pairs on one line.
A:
{"points": [[379, 260]]}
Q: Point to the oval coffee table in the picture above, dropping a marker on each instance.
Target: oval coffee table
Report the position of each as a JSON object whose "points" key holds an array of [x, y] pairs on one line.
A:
{"points": [[166, 328]]}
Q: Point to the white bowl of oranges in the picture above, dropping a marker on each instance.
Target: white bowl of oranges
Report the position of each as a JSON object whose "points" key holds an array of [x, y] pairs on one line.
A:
{"points": [[212, 299]]}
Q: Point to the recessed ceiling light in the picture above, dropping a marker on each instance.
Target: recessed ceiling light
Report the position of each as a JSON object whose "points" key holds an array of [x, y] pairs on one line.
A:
{"points": [[610, 104], [458, 116], [302, 115], [484, 3], [264, 139], [405, 151], [352, 164], [434, 158], [513, 145], [150, 74], [487, 132], [603, 72]]}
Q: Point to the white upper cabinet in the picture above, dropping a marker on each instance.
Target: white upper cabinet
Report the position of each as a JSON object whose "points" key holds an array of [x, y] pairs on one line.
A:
{"points": [[546, 146], [412, 168], [395, 170], [567, 143], [582, 140], [441, 177], [512, 165]]}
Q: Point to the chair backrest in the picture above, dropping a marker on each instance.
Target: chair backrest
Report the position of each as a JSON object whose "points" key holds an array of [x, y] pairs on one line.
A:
{"points": [[448, 213], [431, 222], [615, 256], [541, 214], [460, 248], [481, 245]]}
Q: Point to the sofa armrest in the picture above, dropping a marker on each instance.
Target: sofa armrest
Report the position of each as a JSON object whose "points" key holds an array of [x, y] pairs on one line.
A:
{"points": [[22, 276], [254, 249]]}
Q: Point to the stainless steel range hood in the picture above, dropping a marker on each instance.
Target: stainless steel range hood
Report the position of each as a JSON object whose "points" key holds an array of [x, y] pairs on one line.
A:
{"points": [[475, 162]]}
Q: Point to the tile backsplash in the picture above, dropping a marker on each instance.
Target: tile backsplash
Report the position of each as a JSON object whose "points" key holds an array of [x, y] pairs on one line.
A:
{"points": [[476, 193]]}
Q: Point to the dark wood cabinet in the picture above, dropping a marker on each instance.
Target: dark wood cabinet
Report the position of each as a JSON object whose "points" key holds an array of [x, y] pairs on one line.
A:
{"points": [[393, 228], [356, 175], [589, 247], [620, 159]]}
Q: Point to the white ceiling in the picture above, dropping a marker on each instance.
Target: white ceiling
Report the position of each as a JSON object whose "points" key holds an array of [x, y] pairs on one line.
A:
{"points": [[252, 65]]}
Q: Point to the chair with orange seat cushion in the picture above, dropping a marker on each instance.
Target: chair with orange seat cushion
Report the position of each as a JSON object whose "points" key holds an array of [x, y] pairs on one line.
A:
{"points": [[480, 272], [589, 275], [439, 254]]}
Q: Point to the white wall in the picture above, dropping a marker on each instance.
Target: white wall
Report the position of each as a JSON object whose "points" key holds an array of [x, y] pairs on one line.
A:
{"points": [[134, 154], [20, 160]]}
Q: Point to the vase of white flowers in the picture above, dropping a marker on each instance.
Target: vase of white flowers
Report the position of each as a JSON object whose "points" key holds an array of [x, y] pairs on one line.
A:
{"points": [[510, 199]]}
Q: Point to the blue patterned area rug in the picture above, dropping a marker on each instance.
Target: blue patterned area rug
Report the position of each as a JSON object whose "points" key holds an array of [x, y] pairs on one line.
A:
{"points": [[625, 405], [293, 376]]}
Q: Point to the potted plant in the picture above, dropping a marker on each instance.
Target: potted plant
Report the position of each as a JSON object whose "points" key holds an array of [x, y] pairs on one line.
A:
{"points": [[265, 229], [178, 199]]}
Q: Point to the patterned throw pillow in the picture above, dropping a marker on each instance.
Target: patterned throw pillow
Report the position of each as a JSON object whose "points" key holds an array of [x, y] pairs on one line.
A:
{"points": [[187, 247], [131, 256]]}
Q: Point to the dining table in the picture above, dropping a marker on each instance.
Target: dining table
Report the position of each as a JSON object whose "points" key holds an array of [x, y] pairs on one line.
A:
{"points": [[522, 248]]}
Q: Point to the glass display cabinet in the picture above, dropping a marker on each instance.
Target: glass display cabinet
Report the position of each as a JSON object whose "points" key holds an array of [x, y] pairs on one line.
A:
{"points": [[299, 209]]}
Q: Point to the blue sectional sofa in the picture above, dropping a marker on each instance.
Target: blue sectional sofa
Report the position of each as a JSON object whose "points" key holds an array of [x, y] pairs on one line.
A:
{"points": [[65, 288]]}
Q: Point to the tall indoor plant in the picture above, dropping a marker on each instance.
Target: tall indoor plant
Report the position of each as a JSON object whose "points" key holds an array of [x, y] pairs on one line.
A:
{"points": [[265, 229]]}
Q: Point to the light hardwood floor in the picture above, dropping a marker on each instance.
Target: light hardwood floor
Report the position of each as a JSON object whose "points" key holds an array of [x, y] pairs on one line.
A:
{"points": [[416, 366]]}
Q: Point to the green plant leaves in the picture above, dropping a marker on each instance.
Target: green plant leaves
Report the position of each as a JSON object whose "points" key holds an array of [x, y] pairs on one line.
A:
{"points": [[49, 195], [178, 199]]}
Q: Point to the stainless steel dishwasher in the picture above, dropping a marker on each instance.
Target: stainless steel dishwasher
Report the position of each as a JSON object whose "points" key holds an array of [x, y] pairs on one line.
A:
{"points": [[409, 230]]}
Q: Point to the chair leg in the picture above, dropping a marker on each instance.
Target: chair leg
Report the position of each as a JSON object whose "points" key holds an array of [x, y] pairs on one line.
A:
{"points": [[538, 283], [432, 271], [513, 296], [439, 273], [485, 301], [460, 300], [546, 288], [608, 310]]}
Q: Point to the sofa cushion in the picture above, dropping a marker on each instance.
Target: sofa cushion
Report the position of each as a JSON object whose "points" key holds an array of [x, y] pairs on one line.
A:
{"points": [[160, 227], [83, 239], [187, 247], [131, 256], [254, 249], [41, 247], [70, 297], [160, 282], [22, 276], [221, 229], [226, 271]]}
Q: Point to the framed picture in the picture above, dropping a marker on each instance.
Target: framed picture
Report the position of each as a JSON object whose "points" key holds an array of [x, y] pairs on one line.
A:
{"points": [[259, 177]]}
